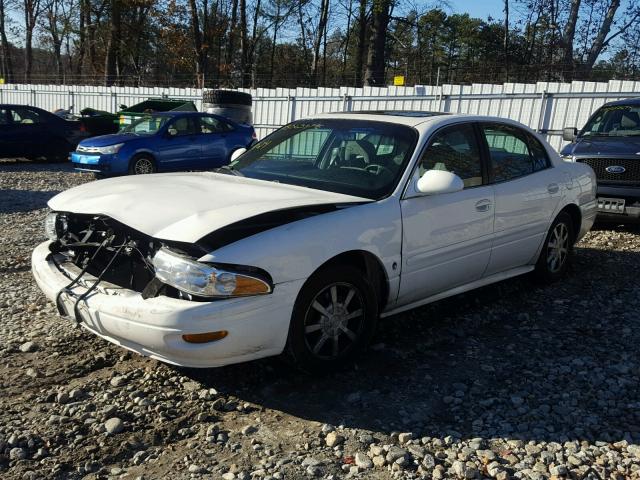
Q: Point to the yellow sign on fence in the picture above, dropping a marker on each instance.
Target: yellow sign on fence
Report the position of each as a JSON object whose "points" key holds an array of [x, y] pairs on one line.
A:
{"points": [[398, 80]]}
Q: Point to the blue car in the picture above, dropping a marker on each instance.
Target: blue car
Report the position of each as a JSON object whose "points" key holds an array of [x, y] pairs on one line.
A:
{"points": [[163, 142]]}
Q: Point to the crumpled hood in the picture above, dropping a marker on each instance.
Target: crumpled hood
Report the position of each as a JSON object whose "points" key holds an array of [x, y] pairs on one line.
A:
{"points": [[603, 146], [185, 207]]}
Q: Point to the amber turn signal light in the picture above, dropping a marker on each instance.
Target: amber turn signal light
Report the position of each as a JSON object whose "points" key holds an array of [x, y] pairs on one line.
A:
{"points": [[205, 337]]}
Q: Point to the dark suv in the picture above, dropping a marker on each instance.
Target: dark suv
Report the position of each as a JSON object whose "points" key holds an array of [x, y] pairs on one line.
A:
{"points": [[610, 144]]}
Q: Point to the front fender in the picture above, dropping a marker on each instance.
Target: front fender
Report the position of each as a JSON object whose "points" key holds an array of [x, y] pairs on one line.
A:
{"points": [[295, 250]]}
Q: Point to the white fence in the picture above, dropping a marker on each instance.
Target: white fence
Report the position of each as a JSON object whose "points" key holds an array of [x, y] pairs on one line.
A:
{"points": [[544, 106]]}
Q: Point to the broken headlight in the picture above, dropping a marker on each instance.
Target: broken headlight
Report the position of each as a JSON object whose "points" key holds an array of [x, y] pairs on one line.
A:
{"points": [[55, 225], [205, 280]]}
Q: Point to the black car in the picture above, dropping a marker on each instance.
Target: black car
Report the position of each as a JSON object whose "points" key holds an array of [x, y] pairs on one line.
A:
{"points": [[610, 144], [32, 133]]}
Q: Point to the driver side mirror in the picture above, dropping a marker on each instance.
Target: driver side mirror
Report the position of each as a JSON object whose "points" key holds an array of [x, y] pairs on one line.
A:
{"points": [[436, 182], [237, 153], [569, 134], [171, 132]]}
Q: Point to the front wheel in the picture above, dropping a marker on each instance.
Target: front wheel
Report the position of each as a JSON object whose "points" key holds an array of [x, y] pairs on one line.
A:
{"points": [[142, 165], [556, 251], [333, 319]]}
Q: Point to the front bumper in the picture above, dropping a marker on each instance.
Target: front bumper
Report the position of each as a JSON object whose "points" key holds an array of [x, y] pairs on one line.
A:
{"points": [[92, 162], [258, 326], [631, 195]]}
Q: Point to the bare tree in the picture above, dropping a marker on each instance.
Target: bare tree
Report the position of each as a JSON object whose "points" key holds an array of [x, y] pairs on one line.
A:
{"points": [[362, 42], [32, 10], [6, 64], [113, 43], [375, 73], [321, 32]]}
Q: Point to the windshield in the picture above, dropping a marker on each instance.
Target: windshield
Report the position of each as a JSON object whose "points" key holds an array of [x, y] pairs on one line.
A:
{"points": [[615, 120], [353, 157], [146, 125]]}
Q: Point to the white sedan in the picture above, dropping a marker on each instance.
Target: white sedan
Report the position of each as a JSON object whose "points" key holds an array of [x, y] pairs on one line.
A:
{"points": [[304, 241]]}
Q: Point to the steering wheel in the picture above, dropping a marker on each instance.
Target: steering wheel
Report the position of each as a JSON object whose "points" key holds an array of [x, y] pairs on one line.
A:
{"points": [[377, 169]]}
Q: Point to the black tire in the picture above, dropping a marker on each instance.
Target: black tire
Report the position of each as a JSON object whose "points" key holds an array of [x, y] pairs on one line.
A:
{"points": [[141, 165], [555, 255], [226, 97], [318, 342]]}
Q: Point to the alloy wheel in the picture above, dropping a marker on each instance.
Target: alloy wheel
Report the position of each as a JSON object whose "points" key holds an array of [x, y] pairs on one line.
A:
{"points": [[558, 247], [143, 166], [334, 321]]}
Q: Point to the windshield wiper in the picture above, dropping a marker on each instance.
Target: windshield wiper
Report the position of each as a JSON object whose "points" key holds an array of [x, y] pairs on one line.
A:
{"points": [[227, 170]]}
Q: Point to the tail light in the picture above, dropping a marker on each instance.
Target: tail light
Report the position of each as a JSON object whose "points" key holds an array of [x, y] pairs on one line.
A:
{"points": [[83, 128], [253, 135]]}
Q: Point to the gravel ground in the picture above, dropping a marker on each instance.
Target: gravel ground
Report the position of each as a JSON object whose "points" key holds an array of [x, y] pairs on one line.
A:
{"points": [[510, 381]]}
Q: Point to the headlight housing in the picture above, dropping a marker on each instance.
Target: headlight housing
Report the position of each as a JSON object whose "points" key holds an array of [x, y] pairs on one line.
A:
{"points": [[109, 149], [50, 229], [568, 158], [55, 225], [205, 280]]}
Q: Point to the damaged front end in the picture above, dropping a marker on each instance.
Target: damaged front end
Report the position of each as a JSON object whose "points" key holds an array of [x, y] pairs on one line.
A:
{"points": [[97, 252]]}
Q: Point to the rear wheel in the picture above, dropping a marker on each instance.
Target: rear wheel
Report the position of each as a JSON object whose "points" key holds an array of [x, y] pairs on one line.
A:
{"points": [[142, 165], [556, 251], [333, 319]]}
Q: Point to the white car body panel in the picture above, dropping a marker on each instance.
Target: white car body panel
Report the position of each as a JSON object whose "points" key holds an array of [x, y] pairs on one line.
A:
{"points": [[429, 247]]}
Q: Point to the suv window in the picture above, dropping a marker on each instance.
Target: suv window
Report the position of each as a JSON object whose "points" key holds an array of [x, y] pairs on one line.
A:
{"points": [[25, 116], [182, 126], [213, 125], [509, 152], [455, 149]]}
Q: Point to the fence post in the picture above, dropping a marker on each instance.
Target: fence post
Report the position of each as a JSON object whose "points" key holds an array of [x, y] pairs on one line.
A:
{"points": [[292, 107], [71, 102], [114, 101], [34, 98], [346, 103], [543, 106]]}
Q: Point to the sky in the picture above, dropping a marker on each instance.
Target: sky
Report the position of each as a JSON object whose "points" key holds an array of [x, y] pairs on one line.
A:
{"points": [[479, 8]]}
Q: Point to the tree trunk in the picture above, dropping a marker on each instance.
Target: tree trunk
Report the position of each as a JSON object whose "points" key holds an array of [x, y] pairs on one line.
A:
{"points": [[322, 23], [505, 41], [362, 39], [7, 64], [233, 33], [243, 44], [347, 38], [375, 74], [113, 45], [601, 38], [568, 36], [197, 43], [276, 26]]}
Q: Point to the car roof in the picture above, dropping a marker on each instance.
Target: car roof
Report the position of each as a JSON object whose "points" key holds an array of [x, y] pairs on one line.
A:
{"points": [[403, 117], [626, 101]]}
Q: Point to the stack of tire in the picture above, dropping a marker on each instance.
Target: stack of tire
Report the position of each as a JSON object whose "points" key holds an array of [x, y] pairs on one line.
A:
{"points": [[235, 106]]}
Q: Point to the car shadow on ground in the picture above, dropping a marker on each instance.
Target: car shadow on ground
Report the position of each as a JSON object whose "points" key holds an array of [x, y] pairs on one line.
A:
{"points": [[16, 201], [9, 165], [512, 360]]}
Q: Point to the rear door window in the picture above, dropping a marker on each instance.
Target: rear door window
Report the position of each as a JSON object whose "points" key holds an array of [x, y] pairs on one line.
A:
{"points": [[509, 152]]}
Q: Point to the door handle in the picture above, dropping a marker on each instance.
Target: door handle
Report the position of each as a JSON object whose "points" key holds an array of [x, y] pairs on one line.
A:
{"points": [[483, 205], [553, 188]]}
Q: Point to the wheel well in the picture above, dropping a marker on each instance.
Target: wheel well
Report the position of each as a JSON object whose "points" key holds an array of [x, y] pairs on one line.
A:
{"points": [[370, 265], [576, 218]]}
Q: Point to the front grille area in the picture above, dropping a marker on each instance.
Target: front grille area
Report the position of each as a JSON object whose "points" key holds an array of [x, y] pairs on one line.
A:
{"points": [[630, 176], [91, 242]]}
